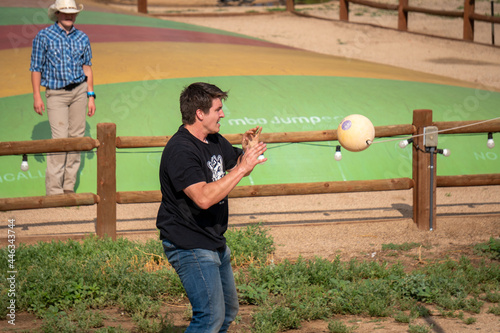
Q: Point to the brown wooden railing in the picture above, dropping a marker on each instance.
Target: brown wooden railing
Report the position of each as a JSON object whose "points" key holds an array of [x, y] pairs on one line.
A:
{"points": [[106, 199], [403, 8]]}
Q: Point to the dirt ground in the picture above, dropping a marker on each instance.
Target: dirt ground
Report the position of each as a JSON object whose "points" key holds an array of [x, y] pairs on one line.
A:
{"points": [[349, 225], [352, 225], [377, 40]]}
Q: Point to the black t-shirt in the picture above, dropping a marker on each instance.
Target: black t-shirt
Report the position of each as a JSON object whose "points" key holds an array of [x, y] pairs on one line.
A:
{"points": [[186, 161]]}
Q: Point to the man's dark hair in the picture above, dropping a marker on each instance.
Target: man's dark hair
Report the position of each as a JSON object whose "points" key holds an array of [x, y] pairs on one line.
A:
{"points": [[196, 96]]}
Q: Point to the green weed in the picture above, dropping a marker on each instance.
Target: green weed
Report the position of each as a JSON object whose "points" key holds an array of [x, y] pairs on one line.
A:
{"points": [[494, 310], [400, 247], [490, 249], [419, 328], [336, 326], [136, 277], [78, 320], [276, 319], [309, 2], [250, 245], [154, 324], [274, 10], [470, 321], [493, 297], [402, 317]]}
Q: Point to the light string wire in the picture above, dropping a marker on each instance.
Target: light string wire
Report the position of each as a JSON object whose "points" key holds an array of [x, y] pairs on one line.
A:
{"points": [[305, 143], [277, 145], [440, 131]]}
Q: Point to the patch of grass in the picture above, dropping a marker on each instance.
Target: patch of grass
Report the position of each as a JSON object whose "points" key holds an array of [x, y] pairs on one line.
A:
{"points": [[400, 247], [493, 296], [276, 9], [490, 249], [314, 288], [155, 324], [276, 319], [495, 310], [469, 321], [419, 328], [251, 293], [336, 326], [402, 317], [98, 273], [118, 329], [309, 2], [249, 245], [136, 278], [78, 320]]}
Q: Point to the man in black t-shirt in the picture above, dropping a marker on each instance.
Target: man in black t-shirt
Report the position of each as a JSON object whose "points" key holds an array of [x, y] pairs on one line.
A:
{"points": [[198, 169]]}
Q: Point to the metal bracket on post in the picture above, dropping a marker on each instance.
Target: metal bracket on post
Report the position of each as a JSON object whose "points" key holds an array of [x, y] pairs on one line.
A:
{"points": [[430, 143], [430, 136]]}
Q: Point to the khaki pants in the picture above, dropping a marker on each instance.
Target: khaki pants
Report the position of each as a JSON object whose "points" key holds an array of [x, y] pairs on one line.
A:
{"points": [[66, 111]]}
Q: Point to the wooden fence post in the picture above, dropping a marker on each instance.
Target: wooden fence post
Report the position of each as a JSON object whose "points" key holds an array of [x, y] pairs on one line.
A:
{"points": [[469, 7], [344, 10], [142, 6], [106, 180], [422, 174], [402, 15], [290, 5]]}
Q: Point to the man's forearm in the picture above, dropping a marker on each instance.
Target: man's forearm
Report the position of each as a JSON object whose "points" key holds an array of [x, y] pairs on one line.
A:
{"points": [[90, 77], [206, 195], [36, 79]]}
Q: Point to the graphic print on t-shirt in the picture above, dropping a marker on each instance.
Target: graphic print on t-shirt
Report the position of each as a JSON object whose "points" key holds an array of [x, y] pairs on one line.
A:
{"points": [[215, 164]]}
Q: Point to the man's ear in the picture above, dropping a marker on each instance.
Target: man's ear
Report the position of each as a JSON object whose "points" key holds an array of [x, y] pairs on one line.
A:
{"points": [[200, 115]]}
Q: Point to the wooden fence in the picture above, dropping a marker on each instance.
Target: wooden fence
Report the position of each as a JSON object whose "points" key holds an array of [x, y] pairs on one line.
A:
{"points": [[468, 15], [106, 199], [403, 8]]}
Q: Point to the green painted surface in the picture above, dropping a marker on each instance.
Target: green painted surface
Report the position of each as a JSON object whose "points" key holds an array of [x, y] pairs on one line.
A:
{"points": [[38, 16], [279, 104]]}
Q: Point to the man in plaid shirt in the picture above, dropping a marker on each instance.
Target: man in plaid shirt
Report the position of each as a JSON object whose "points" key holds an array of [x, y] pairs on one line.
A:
{"points": [[61, 62]]}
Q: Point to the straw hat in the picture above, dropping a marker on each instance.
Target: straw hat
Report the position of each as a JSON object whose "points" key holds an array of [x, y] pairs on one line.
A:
{"points": [[63, 6]]}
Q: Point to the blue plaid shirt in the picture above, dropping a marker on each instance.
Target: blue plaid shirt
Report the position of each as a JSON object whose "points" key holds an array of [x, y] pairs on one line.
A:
{"points": [[60, 57]]}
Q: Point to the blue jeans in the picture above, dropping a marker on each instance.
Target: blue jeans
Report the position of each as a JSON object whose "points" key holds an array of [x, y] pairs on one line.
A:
{"points": [[208, 279]]}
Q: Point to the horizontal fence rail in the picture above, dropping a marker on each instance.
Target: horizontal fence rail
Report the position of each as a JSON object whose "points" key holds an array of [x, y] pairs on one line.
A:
{"points": [[285, 189], [468, 180], [282, 137], [47, 146], [52, 201], [404, 8], [462, 127], [107, 197]]}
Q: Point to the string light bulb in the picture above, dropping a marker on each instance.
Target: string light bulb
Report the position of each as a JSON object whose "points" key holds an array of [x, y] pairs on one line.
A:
{"points": [[490, 143], [338, 154], [404, 143], [24, 164], [445, 152]]}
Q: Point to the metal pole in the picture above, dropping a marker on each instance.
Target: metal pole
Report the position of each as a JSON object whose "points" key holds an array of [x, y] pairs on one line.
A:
{"points": [[431, 206], [492, 24]]}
